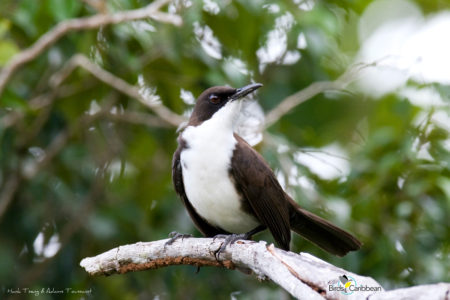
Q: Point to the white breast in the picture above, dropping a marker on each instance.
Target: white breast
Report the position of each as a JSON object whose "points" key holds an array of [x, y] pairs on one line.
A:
{"points": [[205, 164]]}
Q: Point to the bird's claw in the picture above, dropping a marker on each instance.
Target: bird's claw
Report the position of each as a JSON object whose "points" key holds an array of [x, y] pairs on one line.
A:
{"points": [[175, 236], [229, 240]]}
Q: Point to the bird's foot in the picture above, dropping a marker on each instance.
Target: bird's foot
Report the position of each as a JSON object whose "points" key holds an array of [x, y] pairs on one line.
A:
{"points": [[229, 240], [175, 236]]}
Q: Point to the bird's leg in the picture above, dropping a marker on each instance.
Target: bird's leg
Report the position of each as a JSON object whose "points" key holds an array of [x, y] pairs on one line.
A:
{"points": [[232, 238], [175, 236]]}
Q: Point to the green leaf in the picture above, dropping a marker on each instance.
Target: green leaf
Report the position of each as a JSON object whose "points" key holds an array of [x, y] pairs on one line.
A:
{"points": [[11, 100], [7, 50], [4, 26], [65, 9], [25, 16], [444, 184]]}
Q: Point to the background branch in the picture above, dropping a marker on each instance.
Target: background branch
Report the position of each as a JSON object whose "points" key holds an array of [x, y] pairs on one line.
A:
{"points": [[314, 89], [58, 136], [150, 11], [56, 145], [302, 275], [138, 118], [117, 83]]}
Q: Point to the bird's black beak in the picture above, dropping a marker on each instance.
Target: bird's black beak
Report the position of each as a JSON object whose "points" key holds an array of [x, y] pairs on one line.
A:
{"points": [[244, 91]]}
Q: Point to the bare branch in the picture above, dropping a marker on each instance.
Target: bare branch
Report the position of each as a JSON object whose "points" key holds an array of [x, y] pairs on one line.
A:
{"points": [[117, 83], [302, 275], [312, 90], [137, 118], [58, 143], [167, 116], [150, 11]]}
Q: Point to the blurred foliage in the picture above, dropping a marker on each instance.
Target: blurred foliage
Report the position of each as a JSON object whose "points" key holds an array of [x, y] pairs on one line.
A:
{"points": [[108, 182]]}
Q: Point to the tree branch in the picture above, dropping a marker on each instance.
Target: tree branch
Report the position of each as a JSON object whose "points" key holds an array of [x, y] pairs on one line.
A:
{"points": [[49, 38], [302, 275], [117, 83], [138, 118], [314, 89], [12, 185]]}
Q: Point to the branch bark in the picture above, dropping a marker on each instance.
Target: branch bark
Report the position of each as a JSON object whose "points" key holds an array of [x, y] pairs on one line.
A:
{"points": [[302, 275], [96, 21]]}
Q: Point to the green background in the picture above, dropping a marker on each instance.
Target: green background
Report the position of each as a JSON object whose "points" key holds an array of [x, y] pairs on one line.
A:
{"points": [[108, 181]]}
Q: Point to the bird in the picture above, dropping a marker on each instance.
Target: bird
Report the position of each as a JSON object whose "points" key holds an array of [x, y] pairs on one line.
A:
{"points": [[228, 188], [345, 281]]}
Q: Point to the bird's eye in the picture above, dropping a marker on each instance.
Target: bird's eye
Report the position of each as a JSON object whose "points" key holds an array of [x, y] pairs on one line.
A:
{"points": [[214, 99]]}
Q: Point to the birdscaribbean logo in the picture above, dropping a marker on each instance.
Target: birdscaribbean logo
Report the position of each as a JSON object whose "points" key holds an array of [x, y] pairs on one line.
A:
{"points": [[347, 285]]}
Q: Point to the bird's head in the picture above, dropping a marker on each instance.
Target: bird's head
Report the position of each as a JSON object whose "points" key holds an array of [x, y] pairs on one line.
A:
{"points": [[220, 99]]}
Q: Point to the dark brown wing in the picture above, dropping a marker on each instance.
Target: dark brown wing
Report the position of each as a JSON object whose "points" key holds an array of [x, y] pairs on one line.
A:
{"points": [[258, 185], [177, 177]]}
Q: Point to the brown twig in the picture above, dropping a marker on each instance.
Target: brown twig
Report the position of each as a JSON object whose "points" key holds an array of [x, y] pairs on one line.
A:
{"points": [[150, 11], [117, 83]]}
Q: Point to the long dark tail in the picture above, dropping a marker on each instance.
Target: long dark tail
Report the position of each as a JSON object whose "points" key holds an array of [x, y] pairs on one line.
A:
{"points": [[327, 236]]}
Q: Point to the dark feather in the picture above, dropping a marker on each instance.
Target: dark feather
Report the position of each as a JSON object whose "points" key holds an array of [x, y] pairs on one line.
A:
{"points": [[255, 180], [263, 197], [261, 192], [321, 232]]}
